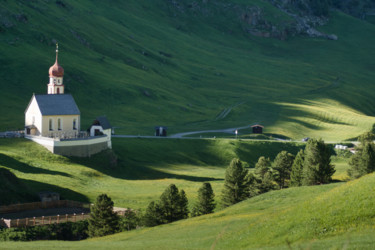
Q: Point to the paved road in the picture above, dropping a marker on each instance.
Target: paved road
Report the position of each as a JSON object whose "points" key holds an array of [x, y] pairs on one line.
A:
{"points": [[227, 130]]}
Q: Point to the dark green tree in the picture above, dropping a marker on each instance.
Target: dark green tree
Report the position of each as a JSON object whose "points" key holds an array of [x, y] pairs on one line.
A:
{"points": [[206, 200], [153, 215], [129, 221], [263, 166], [103, 220], [236, 186], [297, 169], [282, 168], [363, 162], [317, 166], [172, 206]]}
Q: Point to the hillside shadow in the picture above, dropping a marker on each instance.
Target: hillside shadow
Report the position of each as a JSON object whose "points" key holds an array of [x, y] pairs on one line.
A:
{"points": [[148, 164], [65, 193], [14, 164]]}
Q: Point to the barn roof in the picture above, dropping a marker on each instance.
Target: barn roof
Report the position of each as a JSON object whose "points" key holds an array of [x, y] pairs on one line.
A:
{"points": [[57, 104], [103, 121], [257, 125]]}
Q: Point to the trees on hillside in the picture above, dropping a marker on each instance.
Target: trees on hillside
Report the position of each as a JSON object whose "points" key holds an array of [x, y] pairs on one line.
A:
{"points": [[363, 162], [206, 202], [236, 185], [296, 174], [103, 220], [172, 206], [317, 167], [282, 168]]}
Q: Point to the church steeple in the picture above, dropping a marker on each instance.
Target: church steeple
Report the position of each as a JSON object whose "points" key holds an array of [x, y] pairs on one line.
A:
{"points": [[56, 74]]}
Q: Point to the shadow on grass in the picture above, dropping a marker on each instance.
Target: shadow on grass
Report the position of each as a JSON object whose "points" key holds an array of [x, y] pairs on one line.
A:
{"points": [[25, 168], [65, 193]]}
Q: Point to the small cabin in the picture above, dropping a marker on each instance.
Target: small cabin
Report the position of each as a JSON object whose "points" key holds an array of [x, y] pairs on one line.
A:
{"points": [[160, 131], [101, 126], [257, 129], [48, 196]]}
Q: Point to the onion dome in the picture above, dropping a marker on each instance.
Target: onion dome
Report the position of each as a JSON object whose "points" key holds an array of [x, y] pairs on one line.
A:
{"points": [[56, 70]]}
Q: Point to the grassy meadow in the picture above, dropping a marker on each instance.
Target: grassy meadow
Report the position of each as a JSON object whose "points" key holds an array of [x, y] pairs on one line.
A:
{"points": [[334, 216], [147, 63], [137, 170]]}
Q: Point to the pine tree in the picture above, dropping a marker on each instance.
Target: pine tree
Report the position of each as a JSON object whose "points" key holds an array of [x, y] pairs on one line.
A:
{"points": [[282, 168], [153, 215], [236, 186], [103, 221], [297, 169], [317, 166], [206, 202], [263, 166], [182, 208], [363, 162]]}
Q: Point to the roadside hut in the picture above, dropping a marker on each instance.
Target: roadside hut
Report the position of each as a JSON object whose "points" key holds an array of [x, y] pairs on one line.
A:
{"points": [[160, 131], [257, 129]]}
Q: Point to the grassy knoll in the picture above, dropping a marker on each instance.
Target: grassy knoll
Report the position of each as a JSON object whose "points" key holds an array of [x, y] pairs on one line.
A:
{"points": [[138, 170], [147, 63], [328, 216]]}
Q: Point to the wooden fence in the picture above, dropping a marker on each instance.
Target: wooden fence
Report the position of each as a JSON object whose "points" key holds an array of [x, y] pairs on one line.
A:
{"points": [[42, 205], [47, 220], [44, 220]]}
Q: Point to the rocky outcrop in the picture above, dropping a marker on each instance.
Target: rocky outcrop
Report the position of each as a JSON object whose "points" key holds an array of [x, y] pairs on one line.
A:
{"points": [[298, 17]]}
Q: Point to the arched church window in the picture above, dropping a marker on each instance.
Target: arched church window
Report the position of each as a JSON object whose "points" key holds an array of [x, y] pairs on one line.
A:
{"points": [[58, 90], [59, 124], [50, 124], [75, 124]]}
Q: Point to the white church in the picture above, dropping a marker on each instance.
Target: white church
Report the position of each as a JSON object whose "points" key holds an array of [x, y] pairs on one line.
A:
{"points": [[53, 120]]}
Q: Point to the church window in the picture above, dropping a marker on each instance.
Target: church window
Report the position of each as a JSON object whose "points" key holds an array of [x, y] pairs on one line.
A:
{"points": [[75, 124], [58, 90], [58, 80], [59, 124], [50, 124], [54, 80]]}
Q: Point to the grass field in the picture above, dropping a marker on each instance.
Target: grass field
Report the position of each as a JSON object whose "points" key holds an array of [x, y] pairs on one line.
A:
{"points": [[138, 170], [145, 63], [334, 216]]}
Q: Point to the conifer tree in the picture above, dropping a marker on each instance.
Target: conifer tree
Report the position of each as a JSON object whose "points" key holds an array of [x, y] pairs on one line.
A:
{"points": [[236, 186], [103, 220], [282, 168], [363, 162], [206, 202], [263, 166], [153, 215], [317, 166], [297, 170]]}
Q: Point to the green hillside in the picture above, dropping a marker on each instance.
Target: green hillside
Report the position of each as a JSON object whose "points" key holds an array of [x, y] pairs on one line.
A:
{"points": [[147, 63], [335, 216], [138, 170]]}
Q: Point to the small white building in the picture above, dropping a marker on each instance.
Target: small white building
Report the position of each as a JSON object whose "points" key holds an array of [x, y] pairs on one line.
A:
{"points": [[101, 126]]}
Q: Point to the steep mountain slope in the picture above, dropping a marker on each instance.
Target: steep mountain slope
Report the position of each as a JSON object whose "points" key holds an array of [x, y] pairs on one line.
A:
{"points": [[334, 216], [145, 63]]}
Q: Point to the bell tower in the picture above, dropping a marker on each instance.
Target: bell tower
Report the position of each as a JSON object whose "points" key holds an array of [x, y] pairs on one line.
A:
{"points": [[56, 75]]}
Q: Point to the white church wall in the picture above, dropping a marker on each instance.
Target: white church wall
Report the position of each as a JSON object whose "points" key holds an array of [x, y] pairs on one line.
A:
{"points": [[66, 125], [33, 116]]}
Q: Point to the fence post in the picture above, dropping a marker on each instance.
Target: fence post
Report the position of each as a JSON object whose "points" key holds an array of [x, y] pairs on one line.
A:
{"points": [[27, 221], [83, 216], [42, 220], [33, 221], [58, 219], [49, 220], [66, 217], [18, 222], [75, 218]]}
